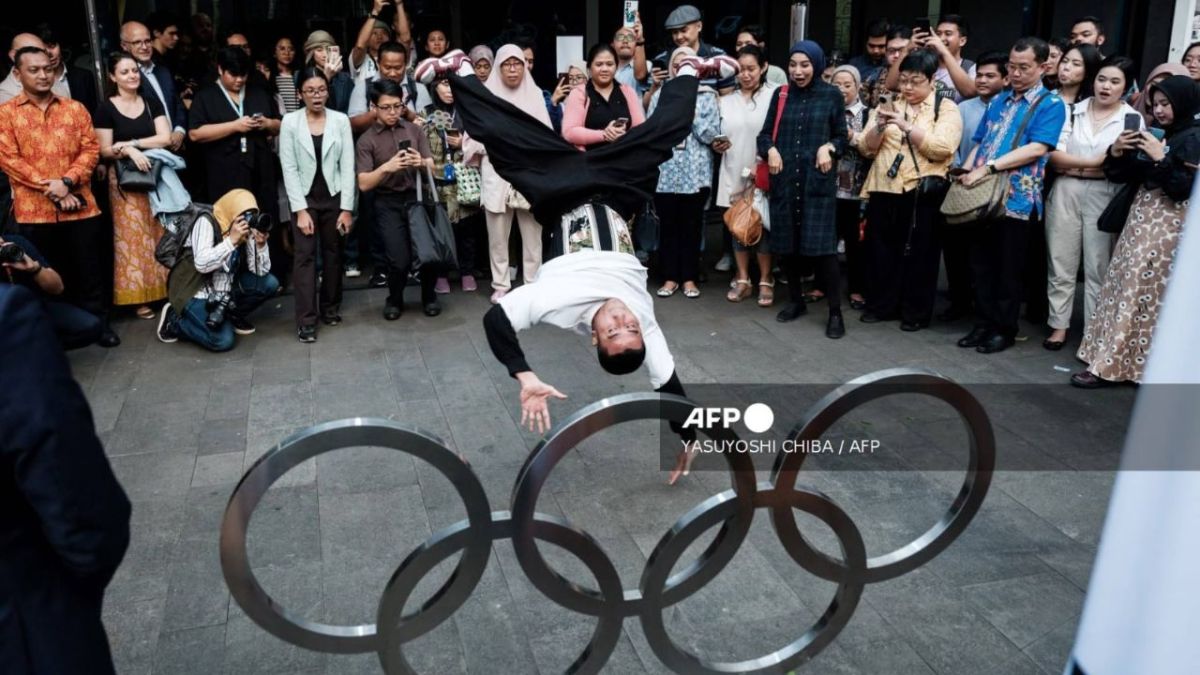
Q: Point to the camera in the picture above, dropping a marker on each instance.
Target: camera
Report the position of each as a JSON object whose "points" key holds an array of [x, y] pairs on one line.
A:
{"points": [[218, 307], [258, 220], [894, 170], [11, 253]]}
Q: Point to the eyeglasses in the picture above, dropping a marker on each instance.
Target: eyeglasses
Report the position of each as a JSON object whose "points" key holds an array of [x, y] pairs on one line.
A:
{"points": [[239, 45], [512, 65], [625, 37], [395, 107], [913, 81], [1022, 67], [315, 92], [138, 43], [577, 79]]}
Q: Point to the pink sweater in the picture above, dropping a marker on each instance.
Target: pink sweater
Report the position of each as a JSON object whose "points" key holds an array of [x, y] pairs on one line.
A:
{"points": [[575, 113]]}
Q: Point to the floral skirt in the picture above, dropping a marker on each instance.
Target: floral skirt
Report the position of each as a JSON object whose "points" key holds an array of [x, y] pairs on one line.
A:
{"points": [[137, 276], [1117, 337]]}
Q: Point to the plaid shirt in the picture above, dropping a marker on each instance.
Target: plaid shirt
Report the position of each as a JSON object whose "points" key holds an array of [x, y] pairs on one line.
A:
{"points": [[37, 145]]}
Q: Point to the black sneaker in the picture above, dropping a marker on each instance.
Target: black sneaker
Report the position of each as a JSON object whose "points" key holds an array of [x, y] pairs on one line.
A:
{"points": [[241, 326], [378, 280], [331, 319], [307, 333], [108, 337], [392, 312], [168, 325]]}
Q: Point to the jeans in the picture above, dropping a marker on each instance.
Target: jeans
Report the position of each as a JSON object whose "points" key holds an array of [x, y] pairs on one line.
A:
{"points": [[74, 327], [249, 291]]}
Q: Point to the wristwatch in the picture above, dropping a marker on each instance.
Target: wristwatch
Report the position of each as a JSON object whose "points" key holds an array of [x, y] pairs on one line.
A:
{"points": [[991, 167]]}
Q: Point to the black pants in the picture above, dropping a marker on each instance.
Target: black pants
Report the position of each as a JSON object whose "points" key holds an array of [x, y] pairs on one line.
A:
{"points": [[829, 276], [955, 241], [681, 218], [848, 219], [997, 264], [391, 215], [72, 248], [74, 327], [1036, 272], [325, 236], [467, 232], [904, 257]]}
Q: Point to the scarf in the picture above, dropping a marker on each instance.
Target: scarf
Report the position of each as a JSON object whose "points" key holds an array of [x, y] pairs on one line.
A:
{"points": [[231, 205], [814, 53], [1141, 100], [1184, 96], [527, 96]]}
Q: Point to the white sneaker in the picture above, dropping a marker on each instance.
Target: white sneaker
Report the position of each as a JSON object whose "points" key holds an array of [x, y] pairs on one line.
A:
{"points": [[716, 67], [430, 69], [352, 271], [724, 264]]}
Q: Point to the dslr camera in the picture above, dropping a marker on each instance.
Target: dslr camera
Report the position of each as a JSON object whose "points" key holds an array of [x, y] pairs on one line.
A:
{"points": [[218, 307], [11, 253], [258, 220]]}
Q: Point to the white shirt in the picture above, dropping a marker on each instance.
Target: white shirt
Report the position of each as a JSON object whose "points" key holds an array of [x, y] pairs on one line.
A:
{"points": [[742, 121], [570, 290], [359, 99], [945, 84], [1077, 138]]}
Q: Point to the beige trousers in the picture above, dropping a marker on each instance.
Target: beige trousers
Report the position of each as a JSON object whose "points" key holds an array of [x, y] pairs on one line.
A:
{"points": [[499, 225], [1072, 210]]}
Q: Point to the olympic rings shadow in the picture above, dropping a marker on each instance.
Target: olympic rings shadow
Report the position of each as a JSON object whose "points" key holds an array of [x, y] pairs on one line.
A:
{"points": [[732, 510]]}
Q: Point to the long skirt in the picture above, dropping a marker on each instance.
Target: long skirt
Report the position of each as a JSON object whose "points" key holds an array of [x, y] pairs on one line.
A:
{"points": [[1118, 335], [137, 276]]}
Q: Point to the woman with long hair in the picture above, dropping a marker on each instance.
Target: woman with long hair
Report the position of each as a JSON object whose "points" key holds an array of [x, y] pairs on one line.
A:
{"points": [[126, 125], [283, 74], [1077, 72]]}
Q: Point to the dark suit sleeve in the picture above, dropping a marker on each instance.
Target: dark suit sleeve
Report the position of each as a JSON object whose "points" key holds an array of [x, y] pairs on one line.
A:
{"points": [[674, 386], [49, 442], [503, 340]]}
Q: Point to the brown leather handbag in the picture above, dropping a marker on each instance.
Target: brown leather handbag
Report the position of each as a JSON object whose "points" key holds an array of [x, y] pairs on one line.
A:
{"points": [[743, 220]]}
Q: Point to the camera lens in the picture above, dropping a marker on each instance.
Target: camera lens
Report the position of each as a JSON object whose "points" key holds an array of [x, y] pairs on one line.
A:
{"points": [[11, 253]]}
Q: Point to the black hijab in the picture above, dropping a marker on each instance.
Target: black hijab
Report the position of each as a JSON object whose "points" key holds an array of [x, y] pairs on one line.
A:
{"points": [[1184, 96], [438, 104]]}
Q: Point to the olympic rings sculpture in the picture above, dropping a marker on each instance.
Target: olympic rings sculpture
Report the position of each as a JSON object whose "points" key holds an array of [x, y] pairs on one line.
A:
{"points": [[609, 603]]}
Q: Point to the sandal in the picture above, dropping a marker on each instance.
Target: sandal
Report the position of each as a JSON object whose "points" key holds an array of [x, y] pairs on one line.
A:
{"points": [[145, 312], [766, 293], [665, 292], [740, 290]]}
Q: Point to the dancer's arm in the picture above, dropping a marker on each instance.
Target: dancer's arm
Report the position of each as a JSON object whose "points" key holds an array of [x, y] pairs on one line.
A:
{"points": [[535, 394]]}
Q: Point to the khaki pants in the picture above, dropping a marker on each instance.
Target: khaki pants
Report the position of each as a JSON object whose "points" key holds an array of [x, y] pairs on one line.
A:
{"points": [[1072, 210], [499, 225]]}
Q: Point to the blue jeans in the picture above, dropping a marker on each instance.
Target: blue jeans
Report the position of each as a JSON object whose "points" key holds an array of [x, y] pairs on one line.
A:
{"points": [[249, 291]]}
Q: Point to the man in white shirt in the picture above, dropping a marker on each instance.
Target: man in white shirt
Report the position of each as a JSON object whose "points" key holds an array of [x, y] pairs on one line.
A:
{"points": [[955, 77]]}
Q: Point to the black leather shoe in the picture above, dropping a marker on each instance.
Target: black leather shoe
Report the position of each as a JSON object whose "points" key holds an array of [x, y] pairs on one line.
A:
{"points": [[913, 326], [791, 312], [108, 337], [1086, 380], [995, 343], [836, 327], [433, 308], [975, 337], [1053, 345], [953, 313], [870, 317], [392, 312], [858, 305]]}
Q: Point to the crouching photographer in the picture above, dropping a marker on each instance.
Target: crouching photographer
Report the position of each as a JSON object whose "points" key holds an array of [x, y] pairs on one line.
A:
{"points": [[222, 274], [23, 265]]}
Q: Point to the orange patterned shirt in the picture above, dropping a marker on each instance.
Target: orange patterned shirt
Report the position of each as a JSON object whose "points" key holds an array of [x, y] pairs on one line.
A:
{"points": [[37, 145]]}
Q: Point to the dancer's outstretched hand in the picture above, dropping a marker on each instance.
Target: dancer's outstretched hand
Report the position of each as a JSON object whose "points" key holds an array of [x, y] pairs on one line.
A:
{"points": [[535, 394]]}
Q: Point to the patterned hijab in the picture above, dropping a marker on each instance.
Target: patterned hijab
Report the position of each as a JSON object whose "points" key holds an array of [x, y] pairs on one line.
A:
{"points": [[527, 95]]}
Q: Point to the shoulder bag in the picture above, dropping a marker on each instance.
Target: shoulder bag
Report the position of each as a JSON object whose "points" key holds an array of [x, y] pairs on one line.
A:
{"points": [[432, 236], [1117, 212], [132, 179], [762, 172], [745, 223], [985, 200]]}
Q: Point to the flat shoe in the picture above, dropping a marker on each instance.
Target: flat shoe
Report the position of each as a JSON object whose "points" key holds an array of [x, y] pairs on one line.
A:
{"points": [[691, 293], [858, 304], [1053, 345], [1086, 380], [144, 312], [665, 292]]}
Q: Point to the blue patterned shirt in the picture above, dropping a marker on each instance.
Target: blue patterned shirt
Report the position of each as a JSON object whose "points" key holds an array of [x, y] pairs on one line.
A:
{"points": [[690, 169], [995, 139]]}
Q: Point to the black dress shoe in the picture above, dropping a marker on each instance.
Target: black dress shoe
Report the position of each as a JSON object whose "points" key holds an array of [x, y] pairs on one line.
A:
{"points": [[872, 317], [975, 337], [995, 343], [1086, 380], [1053, 345], [432, 308], [836, 327], [953, 313], [913, 326], [108, 337], [857, 304], [791, 312], [392, 312]]}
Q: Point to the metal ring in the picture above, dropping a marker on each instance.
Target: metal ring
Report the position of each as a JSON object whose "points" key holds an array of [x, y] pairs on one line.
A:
{"points": [[981, 461], [318, 440], [700, 519], [445, 543], [575, 429]]}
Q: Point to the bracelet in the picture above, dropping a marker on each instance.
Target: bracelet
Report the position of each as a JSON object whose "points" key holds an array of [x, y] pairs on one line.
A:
{"points": [[38, 271]]}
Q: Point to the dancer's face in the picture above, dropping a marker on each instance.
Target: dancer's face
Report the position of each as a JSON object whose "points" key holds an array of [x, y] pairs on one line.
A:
{"points": [[615, 328], [512, 71]]}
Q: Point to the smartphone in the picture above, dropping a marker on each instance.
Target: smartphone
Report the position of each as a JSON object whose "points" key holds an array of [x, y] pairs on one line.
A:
{"points": [[563, 78], [622, 121], [922, 23], [1133, 122], [332, 52], [720, 138], [659, 63], [404, 145], [631, 10], [1157, 133], [256, 116]]}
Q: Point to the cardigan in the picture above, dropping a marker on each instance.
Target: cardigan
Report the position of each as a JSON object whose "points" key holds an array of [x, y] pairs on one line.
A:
{"points": [[575, 112]]}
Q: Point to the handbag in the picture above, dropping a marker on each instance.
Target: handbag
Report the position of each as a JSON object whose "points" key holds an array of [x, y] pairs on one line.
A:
{"points": [[762, 172], [984, 200], [515, 200], [646, 229], [743, 220], [469, 184], [1117, 212], [430, 232], [132, 179]]}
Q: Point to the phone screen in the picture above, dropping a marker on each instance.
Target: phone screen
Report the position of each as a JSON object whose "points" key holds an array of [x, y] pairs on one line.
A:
{"points": [[1133, 122], [401, 146], [333, 51]]}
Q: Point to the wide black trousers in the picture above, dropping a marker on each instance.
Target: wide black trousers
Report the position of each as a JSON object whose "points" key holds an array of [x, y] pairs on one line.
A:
{"points": [[904, 257], [997, 265], [326, 237], [391, 213]]}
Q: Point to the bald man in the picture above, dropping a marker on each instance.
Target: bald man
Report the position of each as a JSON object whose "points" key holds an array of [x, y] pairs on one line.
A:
{"points": [[11, 86], [157, 80]]}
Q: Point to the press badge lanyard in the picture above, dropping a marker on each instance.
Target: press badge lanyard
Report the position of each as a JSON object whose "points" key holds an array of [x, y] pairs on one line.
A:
{"points": [[238, 107]]}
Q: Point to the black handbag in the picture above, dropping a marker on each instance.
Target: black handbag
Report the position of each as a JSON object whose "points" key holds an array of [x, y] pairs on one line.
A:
{"points": [[132, 179], [1117, 212], [646, 229], [430, 232]]}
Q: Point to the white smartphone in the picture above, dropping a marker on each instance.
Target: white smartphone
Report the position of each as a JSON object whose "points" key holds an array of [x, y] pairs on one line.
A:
{"points": [[631, 10], [332, 52]]}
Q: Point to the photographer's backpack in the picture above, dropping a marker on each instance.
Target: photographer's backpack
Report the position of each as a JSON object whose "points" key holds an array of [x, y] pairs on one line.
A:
{"points": [[174, 252]]}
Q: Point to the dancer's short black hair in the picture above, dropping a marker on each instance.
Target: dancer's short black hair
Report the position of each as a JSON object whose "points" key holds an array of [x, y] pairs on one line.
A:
{"points": [[621, 363]]}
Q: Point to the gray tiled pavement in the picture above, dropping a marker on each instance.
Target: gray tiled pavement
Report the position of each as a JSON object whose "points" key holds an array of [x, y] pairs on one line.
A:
{"points": [[181, 426]]}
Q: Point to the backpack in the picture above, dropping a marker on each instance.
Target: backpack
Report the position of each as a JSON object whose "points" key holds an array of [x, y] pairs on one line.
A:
{"points": [[178, 233]]}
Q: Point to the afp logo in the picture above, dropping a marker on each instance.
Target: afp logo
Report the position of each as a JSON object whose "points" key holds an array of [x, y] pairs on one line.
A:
{"points": [[758, 417]]}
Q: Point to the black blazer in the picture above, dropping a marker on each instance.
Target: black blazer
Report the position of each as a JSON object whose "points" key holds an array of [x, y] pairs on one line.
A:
{"points": [[64, 519], [170, 100], [83, 88]]}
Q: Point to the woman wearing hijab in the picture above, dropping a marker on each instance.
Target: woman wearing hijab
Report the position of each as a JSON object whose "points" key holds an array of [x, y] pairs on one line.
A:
{"points": [[1118, 335], [1141, 100], [443, 128], [801, 157], [512, 82], [482, 58]]}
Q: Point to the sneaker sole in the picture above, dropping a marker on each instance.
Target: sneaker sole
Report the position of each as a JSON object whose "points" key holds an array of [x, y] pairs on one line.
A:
{"points": [[243, 331]]}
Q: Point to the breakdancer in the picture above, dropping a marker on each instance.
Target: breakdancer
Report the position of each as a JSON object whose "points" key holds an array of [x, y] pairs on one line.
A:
{"points": [[592, 282]]}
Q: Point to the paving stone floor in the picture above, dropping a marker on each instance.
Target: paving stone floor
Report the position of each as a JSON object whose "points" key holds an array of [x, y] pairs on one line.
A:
{"points": [[181, 426]]}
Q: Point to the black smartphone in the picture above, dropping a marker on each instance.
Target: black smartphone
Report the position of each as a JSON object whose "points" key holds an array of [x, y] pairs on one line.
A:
{"points": [[922, 23], [403, 145], [563, 78], [622, 121], [659, 63], [1133, 122]]}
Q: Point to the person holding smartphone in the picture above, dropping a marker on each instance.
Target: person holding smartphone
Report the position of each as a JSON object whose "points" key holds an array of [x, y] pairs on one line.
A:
{"points": [[1082, 192], [322, 51], [1119, 335], [602, 110]]}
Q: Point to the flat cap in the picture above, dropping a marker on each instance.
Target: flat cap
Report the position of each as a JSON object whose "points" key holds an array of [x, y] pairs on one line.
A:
{"points": [[682, 16]]}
